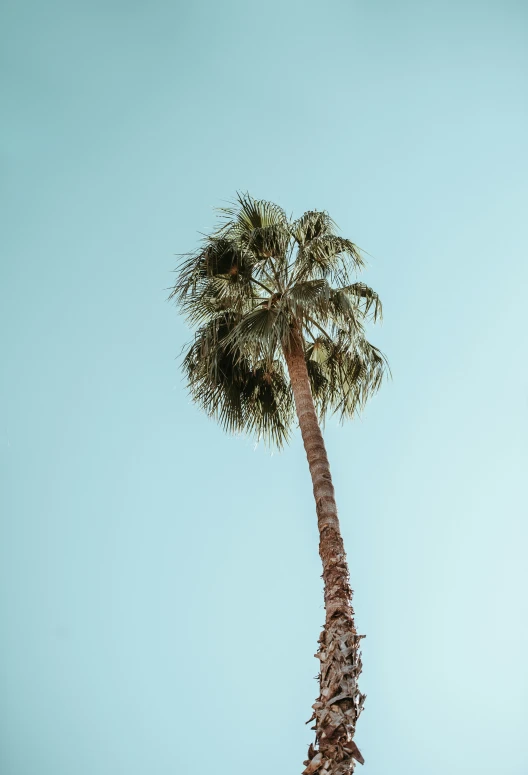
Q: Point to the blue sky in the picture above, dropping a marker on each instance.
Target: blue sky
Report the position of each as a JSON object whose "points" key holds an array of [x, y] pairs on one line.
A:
{"points": [[160, 598]]}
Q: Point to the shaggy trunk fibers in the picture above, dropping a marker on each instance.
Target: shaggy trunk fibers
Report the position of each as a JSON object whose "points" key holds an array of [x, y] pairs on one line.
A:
{"points": [[340, 702]]}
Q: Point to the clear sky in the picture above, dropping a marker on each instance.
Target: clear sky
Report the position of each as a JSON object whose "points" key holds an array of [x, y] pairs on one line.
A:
{"points": [[160, 584]]}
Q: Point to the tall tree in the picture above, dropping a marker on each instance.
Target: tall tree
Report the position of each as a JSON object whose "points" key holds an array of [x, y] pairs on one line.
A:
{"points": [[280, 333]]}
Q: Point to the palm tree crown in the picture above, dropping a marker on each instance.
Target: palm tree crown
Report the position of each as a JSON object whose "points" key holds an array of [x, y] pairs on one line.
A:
{"points": [[256, 284]]}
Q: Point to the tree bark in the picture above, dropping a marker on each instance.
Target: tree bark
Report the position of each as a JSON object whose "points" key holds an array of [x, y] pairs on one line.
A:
{"points": [[340, 702]]}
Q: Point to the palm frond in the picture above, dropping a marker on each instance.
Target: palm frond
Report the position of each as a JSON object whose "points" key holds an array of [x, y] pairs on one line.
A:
{"points": [[311, 225], [246, 214], [329, 309], [268, 241], [263, 331], [344, 312], [308, 297], [367, 296], [330, 257], [241, 394], [215, 374], [262, 229], [218, 258], [220, 294], [349, 371], [269, 403], [319, 387]]}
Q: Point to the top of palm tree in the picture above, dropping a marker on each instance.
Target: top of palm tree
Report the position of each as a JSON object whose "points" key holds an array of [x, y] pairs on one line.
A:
{"points": [[252, 283]]}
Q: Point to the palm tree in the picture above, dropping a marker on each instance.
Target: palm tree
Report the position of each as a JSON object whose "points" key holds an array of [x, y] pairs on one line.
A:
{"points": [[280, 332]]}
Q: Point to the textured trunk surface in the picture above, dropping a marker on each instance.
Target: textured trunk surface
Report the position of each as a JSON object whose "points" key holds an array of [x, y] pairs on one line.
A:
{"points": [[340, 702]]}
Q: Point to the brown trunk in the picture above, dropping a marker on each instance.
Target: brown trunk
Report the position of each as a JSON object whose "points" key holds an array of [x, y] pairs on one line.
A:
{"points": [[340, 702]]}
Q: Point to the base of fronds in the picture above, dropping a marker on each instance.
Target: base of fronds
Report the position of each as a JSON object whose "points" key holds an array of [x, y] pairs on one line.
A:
{"points": [[340, 702]]}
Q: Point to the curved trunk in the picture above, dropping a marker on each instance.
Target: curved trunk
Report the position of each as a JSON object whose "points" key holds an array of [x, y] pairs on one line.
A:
{"points": [[340, 702]]}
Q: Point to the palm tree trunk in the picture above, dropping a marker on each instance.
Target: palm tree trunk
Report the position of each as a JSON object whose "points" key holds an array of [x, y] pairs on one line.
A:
{"points": [[340, 702]]}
